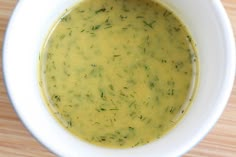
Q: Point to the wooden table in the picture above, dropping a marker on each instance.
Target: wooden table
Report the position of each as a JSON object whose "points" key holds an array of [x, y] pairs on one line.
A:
{"points": [[16, 141]]}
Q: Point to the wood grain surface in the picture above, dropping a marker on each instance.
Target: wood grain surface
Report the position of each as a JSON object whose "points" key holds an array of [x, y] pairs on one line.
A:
{"points": [[16, 141]]}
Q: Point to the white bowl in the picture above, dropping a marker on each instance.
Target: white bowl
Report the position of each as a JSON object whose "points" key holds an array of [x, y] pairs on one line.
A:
{"points": [[211, 30]]}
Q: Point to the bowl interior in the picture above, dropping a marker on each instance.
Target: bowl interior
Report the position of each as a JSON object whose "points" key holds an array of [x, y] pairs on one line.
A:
{"points": [[211, 31]]}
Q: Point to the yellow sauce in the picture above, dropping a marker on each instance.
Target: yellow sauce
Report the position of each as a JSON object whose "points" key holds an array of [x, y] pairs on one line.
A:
{"points": [[117, 73]]}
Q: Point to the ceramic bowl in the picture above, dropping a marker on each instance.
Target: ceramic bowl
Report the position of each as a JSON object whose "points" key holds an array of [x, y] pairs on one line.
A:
{"points": [[211, 31]]}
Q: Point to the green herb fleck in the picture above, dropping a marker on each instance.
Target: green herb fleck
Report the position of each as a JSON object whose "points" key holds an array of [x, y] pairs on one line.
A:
{"points": [[111, 87], [123, 17], [100, 10], [151, 85], [149, 24], [66, 18], [166, 13], [139, 17], [116, 55], [107, 27], [189, 38], [95, 27], [102, 94]]}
